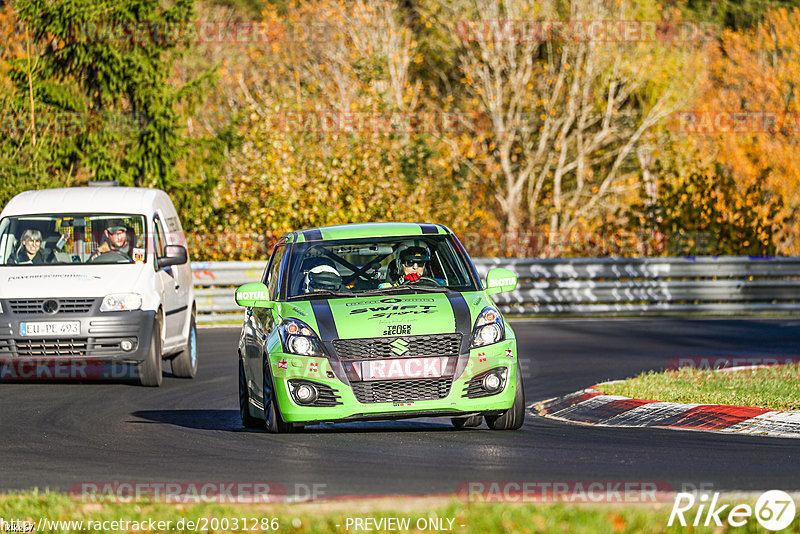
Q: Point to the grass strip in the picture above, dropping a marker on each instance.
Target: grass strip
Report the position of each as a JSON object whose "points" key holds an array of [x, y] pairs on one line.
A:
{"points": [[773, 387], [424, 514]]}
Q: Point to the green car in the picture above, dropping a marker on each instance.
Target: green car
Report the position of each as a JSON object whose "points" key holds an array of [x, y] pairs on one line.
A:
{"points": [[376, 321]]}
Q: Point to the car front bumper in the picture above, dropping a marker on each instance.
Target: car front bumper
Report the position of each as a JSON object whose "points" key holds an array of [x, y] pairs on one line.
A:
{"points": [[95, 350], [345, 403]]}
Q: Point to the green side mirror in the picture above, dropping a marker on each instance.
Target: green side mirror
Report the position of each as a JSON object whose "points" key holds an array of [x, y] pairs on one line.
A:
{"points": [[499, 280], [253, 295]]}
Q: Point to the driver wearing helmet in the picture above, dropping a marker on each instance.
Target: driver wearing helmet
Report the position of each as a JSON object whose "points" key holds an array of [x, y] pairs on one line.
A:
{"points": [[412, 263], [322, 278]]}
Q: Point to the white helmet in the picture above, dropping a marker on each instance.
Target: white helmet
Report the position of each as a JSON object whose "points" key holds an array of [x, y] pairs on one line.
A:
{"points": [[322, 277]]}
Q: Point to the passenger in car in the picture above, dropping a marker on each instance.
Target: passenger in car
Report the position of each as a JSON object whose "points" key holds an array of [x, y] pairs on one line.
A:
{"points": [[323, 278], [30, 249]]}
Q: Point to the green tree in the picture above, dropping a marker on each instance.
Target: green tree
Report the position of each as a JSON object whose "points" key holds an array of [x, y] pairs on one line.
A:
{"points": [[93, 98]]}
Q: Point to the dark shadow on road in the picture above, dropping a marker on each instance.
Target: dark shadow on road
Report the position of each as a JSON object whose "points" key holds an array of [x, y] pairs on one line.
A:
{"points": [[229, 420], [198, 419]]}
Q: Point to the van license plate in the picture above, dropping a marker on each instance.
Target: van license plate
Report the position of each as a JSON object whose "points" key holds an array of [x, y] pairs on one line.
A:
{"points": [[50, 328]]}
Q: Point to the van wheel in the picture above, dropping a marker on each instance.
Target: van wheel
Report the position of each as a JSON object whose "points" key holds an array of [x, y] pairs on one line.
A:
{"points": [[184, 365], [150, 368], [272, 412], [468, 422], [248, 421], [514, 416]]}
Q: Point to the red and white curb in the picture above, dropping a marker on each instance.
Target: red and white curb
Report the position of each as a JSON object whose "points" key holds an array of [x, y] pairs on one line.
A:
{"points": [[592, 406]]}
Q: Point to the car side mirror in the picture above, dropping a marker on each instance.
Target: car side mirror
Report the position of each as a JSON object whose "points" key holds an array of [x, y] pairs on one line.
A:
{"points": [[173, 255], [254, 295], [499, 280]]}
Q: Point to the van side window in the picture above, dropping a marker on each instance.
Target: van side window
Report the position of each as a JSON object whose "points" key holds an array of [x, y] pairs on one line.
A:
{"points": [[273, 271], [159, 240]]}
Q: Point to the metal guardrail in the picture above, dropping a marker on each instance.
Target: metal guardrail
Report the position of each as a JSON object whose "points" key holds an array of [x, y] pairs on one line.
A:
{"points": [[586, 286]]}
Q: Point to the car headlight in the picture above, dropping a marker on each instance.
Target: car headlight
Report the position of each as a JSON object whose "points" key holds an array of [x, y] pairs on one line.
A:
{"points": [[488, 329], [121, 302], [298, 338]]}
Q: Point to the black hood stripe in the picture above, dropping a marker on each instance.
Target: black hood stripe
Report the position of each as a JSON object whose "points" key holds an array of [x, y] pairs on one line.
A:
{"points": [[313, 235], [429, 228], [463, 319], [325, 323]]}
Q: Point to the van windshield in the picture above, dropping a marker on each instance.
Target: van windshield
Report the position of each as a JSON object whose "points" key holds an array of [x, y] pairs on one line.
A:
{"points": [[72, 238]]}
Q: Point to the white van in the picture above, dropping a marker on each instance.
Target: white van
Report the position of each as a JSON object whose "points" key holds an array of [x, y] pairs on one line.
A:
{"points": [[95, 278]]}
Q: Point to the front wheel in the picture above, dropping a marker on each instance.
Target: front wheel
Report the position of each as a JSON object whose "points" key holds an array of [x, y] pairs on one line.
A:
{"points": [[150, 368], [184, 365], [272, 412], [466, 422], [514, 416]]}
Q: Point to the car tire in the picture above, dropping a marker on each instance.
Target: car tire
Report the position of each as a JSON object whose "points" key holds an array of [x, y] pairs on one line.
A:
{"points": [[514, 417], [248, 421], [272, 412], [184, 365], [150, 368], [467, 422]]}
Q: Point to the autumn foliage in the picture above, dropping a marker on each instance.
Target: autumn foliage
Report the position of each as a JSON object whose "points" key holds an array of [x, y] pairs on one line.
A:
{"points": [[757, 71], [354, 110]]}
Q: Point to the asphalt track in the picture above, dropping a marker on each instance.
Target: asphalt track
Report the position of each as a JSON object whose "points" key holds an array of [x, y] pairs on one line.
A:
{"points": [[55, 435]]}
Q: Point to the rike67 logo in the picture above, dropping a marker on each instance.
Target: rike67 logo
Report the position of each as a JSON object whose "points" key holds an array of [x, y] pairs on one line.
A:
{"points": [[774, 510]]}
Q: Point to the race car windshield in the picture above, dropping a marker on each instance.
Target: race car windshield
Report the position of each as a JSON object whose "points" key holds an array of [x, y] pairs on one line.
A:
{"points": [[373, 266], [72, 238]]}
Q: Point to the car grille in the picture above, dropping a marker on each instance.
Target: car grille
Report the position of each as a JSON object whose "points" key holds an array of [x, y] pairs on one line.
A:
{"points": [[28, 348], [402, 390], [64, 347], [35, 306], [398, 347]]}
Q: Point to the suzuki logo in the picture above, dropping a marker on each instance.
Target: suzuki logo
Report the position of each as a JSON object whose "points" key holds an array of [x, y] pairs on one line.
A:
{"points": [[399, 346]]}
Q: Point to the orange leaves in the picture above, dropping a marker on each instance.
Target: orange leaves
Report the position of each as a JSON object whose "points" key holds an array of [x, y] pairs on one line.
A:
{"points": [[12, 40], [757, 70]]}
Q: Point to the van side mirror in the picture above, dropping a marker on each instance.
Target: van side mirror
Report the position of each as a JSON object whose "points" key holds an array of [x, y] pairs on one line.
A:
{"points": [[499, 280], [173, 255], [254, 295]]}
